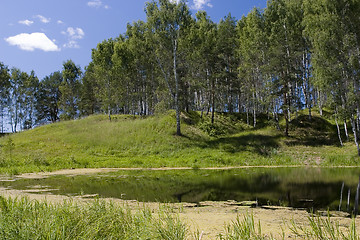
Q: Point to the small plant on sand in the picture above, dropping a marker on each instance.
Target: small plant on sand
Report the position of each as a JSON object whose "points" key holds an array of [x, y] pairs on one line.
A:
{"points": [[170, 227], [243, 229]]}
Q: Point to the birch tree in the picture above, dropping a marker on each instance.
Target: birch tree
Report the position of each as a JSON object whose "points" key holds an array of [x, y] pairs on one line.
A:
{"points": [[252, 53], [283, 19], [203, 59], [168, 25]]}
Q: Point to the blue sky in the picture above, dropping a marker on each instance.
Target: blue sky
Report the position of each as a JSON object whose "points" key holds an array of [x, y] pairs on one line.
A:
{"points": [[40, 35]]}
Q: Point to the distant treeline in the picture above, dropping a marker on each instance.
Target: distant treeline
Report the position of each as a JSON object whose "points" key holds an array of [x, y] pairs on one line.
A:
{"points": [[294, 54]]}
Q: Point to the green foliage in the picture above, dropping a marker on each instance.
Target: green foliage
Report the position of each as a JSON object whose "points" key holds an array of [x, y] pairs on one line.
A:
{"points": [[101, 72], [69, 89], [168, 27], [21, 99], [212, 130], [48, 98]]}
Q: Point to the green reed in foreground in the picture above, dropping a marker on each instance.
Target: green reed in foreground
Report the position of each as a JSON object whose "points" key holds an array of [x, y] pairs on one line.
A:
{"points": [[25, 219]]}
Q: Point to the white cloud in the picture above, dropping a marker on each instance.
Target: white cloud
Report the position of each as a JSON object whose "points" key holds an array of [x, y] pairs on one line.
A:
{"points": [[42, 18], [30, 42], [97, 4], [94, 3], [26, 22], [199, 4], [60, 22], [73, 34], [71, 44]]}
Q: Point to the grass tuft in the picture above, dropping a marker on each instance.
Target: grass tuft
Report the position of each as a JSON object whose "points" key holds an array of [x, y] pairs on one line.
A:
{"points": [[244, 229], [323, 228]]}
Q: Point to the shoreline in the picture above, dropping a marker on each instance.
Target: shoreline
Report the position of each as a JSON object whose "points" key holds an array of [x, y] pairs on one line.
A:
{"points": [[84, 171]]}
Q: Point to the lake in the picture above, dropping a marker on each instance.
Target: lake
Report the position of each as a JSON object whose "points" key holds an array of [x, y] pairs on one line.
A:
{"points": [[310, 188]]}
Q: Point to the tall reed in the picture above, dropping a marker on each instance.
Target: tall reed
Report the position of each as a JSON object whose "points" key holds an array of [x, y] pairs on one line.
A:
{"points": [[244, 229], [21, 218]]}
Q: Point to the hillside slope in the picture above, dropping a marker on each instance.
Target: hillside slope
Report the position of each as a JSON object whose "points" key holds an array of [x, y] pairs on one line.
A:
{"points": [[130, 141]]}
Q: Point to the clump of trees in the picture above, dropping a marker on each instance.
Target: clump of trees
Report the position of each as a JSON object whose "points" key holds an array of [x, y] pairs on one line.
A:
{"points": [[294, 54]]}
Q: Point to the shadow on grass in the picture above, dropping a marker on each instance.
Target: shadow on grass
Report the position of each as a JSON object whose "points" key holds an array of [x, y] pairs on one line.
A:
{"points": [[261, 144], [4, 134], [316, 132]]}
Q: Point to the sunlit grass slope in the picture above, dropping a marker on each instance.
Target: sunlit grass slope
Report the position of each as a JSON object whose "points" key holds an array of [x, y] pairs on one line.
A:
{"points": [[129, 141]]}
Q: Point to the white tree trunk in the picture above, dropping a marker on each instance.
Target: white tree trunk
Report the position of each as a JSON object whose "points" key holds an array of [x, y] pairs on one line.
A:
{"points": [[346, 131], [338, 131], [355, 134]]}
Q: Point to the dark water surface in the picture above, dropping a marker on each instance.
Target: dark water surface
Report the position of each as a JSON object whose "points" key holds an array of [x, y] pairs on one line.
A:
{"points": [[317, 188]]}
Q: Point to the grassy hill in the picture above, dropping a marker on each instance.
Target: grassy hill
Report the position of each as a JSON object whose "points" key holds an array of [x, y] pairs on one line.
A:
{"points": [[133, 141]]}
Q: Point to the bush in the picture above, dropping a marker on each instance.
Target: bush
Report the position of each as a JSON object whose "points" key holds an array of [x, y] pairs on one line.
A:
{"points": [[212, 130]]}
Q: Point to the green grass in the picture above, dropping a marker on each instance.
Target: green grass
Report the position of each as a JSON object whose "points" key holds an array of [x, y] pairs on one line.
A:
{"points": [[25, 219], [132, 141], [21, 218]]}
